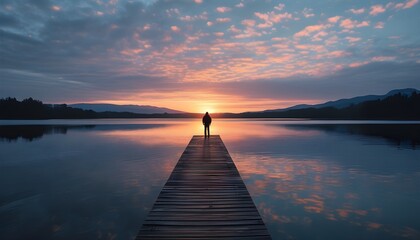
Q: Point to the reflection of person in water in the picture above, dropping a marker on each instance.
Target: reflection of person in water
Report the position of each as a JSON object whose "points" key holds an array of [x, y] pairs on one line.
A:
{"points": [[206, 123]]}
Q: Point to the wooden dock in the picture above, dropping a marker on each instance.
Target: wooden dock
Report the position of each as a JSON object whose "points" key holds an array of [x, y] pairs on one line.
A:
{"points": [[204, 198]]}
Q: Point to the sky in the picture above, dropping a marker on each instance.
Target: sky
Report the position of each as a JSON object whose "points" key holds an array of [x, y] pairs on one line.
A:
{"points": [[207, 55]]}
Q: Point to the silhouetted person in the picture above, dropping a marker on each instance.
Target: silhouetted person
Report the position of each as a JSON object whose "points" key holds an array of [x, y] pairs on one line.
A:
{"points": [[206, 123]]}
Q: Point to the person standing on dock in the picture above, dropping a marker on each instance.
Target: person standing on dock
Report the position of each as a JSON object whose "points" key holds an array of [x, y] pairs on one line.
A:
{"points": [[206, 123]]}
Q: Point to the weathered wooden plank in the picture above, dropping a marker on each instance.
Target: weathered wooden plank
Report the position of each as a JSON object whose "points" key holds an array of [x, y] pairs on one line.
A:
{"points": [[204, 198]]}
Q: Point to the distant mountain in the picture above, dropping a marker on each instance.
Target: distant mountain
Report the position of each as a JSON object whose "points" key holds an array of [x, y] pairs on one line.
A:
{"points": [[343, 103], [141, 109], [403, 104]]}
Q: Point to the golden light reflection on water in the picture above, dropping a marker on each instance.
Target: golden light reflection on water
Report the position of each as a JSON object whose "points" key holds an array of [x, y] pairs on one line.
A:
{"points": [[171, 132]]}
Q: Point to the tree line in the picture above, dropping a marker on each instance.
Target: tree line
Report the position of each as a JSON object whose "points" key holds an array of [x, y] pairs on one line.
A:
{"points": [[396, 107], [29, 108]]}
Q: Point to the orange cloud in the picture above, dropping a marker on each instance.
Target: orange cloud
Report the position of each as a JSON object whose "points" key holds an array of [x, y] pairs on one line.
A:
{"points": [[334, 19]]}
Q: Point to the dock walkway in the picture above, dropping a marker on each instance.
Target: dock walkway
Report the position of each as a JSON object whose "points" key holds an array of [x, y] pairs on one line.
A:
{"points": [[204, 198]]}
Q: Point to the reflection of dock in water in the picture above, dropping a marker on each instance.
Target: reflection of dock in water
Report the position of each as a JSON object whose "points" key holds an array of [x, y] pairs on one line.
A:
{"points": [[204, 198]]}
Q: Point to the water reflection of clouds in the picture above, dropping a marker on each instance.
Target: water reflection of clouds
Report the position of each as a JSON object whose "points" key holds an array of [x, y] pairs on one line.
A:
{"points": [[301, 191], [300, 177]]}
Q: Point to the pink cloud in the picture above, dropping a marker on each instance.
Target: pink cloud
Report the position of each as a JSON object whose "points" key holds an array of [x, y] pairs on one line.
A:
{"points": [[383, 58], [209, 24], [248, 22], [332, 40], [311, 47], [239, 5], [234, 29], [308, 12], [353, 39], [175, 29], [334, 19], [223, 20], [223, 9], [310, 29], [271, 17], [373, 225], [319, 36], [198, 1], [249, 32], [410, 3], [357, 11], [219, 34], [379, 25], [376, 9], [56, 8], [281, 46], [407, 4], [172, 11], [350, 24], [279, 7], [131, 52], [278, 39], [337, 54], [188, 18], [358, 64]]}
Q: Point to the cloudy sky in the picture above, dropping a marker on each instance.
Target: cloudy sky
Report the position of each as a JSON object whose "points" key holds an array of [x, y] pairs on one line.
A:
{"points": [[207, 55]]}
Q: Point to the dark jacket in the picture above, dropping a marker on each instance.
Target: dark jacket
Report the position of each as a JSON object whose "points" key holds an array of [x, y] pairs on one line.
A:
{"points": [[207, 119]]}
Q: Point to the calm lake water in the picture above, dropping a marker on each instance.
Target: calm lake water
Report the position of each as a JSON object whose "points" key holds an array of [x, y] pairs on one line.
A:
{"points": [[97, 179]]}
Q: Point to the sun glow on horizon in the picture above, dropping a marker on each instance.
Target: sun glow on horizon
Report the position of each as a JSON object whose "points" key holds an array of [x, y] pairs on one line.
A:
{"points": [[201, 104]]}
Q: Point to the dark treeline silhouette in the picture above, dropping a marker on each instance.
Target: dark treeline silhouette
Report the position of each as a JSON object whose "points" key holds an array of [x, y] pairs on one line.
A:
{"points": [[11, 108], [29, 108], [396, 107]]}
